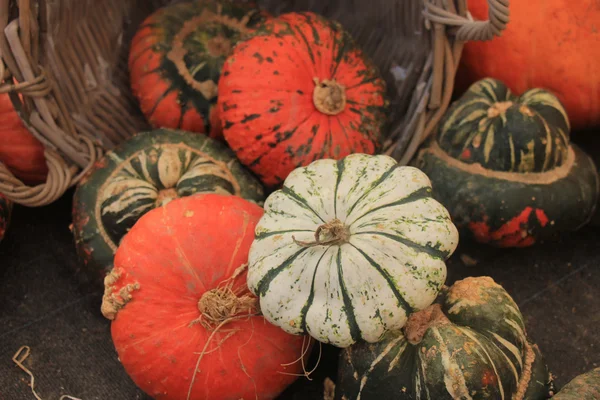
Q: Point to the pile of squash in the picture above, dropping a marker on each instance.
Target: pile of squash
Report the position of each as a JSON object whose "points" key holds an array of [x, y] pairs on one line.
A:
{"points": [[257, 221]]}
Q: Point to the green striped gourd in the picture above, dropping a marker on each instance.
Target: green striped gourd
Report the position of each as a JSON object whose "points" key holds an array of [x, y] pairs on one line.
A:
{"points": [[504, 167], [583, 387], [470, 345], [145, 172], [347, 249]]}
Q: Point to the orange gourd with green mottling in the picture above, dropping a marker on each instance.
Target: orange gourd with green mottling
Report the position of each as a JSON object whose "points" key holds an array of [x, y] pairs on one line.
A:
{"points": [[20, 151], [176, 58], [505, 168], [471, 344], [299, 90]]}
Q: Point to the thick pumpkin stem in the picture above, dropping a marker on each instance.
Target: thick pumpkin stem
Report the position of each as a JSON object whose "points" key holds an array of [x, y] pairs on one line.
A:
{"points": [[334, 231], [498, 108], [419, 322], [329, 96], [220, 305]]}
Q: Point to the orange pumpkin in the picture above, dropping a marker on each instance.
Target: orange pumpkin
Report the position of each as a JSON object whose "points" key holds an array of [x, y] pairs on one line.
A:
{"points": [[20, 151], [185, 325], [298, 91], [551, 44]]}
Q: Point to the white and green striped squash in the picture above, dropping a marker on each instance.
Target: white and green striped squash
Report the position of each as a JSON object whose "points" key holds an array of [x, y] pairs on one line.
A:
{"points": [[347, 249], [145, 172], [471, 344]]}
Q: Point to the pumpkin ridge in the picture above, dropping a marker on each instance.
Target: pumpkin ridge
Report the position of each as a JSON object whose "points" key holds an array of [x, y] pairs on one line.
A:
{"points": [[306, 42], [372, 186], [408, 309], [185, 262], [470, 334], [511, 363], [160, 99], [300, 200], [265, 282], [417, 195], [287, 135], [340, 166], [348, 306], [376, 361], [458, 390], [290, 41], [311, 295], [345, 131], [429, 250]]}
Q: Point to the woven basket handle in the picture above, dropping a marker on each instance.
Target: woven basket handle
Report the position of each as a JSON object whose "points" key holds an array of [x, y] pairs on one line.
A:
{"points": [[468, 29]]}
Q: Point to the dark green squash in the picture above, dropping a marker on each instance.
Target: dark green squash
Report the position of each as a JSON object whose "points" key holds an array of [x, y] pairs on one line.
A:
{"points": [[143, 173], [471, 344], [505, 168], [176, 59], [583, 387], [5, 213]]}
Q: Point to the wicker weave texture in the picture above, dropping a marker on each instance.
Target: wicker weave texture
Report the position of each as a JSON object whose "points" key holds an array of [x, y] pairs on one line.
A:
{"points": [[68, 60]]}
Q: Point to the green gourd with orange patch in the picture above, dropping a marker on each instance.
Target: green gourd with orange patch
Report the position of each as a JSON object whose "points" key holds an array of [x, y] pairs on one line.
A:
{"points": [[143, 173], [504, 167], [471, 344]]}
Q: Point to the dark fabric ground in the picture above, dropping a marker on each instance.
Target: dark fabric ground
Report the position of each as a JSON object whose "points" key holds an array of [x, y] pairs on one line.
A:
{"points": [[43, 305]]}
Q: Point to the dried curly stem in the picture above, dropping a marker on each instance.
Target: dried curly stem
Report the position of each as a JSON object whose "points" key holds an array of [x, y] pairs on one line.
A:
{"points": [[335, 229]]}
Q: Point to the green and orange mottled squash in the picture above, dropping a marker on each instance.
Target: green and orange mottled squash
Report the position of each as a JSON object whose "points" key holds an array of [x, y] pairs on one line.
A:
{"points": [[300, 90], [176, 58], [145, 172], [471, 344], [583, 387], [5, 213], [504, 167]]}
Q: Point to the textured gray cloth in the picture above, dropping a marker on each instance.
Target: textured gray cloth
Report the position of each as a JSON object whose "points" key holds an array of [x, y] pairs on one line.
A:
{"points": [[43, 305]]}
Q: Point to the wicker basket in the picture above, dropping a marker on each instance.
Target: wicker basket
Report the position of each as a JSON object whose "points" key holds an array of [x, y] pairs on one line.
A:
{"points": [[68, 60]]}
